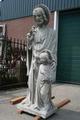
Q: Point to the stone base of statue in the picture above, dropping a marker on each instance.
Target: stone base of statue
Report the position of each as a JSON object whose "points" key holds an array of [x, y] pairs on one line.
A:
{"points": [[43, 112]]}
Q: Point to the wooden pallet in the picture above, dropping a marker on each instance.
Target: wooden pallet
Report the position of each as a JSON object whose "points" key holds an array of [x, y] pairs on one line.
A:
{"points": [[20, 98], [58, 105]]}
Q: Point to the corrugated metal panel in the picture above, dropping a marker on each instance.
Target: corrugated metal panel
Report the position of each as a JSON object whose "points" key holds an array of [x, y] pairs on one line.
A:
{"points": [[66, 4], [16, 8], [59, 4], [19, 8]]}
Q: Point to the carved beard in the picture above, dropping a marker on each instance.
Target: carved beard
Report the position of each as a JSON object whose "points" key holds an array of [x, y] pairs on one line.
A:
{"points": [[39, 16]]}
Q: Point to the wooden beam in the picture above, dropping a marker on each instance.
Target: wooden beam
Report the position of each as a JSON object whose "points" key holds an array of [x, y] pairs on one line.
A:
{"points": [[62, 103], [17, 100]]}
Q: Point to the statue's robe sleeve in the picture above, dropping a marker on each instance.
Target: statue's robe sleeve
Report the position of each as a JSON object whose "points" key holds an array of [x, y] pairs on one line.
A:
{"points": [[29, 47]]}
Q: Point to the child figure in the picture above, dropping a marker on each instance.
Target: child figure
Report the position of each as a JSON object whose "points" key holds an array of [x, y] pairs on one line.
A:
{"points": [[44, 80]]}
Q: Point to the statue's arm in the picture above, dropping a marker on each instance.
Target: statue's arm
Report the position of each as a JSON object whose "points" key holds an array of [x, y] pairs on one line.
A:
{"points": [[30, 39]]}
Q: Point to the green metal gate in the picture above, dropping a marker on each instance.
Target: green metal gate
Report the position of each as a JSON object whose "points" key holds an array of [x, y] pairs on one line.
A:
{"points": [[68, 69]]}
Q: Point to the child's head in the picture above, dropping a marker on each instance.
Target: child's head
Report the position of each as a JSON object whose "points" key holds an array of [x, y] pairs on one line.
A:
{"points": [[45, 56]]}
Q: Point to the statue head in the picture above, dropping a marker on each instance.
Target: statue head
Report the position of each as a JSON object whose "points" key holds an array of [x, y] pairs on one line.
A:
{"points": [[45, 56], [41, 15]]}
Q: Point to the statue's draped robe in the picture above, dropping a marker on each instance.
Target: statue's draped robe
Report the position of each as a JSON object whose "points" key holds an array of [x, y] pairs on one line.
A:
{"points": [[44, 38]]}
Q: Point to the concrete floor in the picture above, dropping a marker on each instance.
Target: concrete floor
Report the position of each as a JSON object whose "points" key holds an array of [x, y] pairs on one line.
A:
{"points": [[60, 91]]}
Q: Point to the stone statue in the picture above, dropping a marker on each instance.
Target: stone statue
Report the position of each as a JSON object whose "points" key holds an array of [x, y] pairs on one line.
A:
{"points": [[42, 40]]}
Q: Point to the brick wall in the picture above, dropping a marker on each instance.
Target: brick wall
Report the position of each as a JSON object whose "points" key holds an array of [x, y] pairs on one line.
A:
{"points": [[17, 28]]}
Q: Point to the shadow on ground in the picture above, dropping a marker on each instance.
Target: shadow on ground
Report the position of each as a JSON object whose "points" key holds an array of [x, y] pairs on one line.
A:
{"points": [[64, 114]]}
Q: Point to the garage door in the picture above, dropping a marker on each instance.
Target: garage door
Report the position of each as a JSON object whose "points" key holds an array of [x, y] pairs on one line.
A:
{"points": [[68, 69]]}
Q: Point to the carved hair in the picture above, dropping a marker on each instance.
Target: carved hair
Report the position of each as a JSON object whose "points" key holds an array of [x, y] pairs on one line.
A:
{"points": [[46, 14], [49, 53]]}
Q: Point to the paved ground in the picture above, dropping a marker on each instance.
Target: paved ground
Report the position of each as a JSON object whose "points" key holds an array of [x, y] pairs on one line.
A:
{"points": [[61, 91]]}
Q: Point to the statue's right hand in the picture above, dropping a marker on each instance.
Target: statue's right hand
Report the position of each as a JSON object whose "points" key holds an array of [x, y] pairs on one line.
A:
{"points": [[29, 37]]}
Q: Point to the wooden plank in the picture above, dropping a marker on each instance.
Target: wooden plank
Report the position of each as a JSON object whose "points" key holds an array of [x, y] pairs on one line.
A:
{"points": [[17, 100], [62, 103]]}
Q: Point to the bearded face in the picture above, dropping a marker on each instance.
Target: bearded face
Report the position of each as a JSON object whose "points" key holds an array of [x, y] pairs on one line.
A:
{"points": [[39, 16]]}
